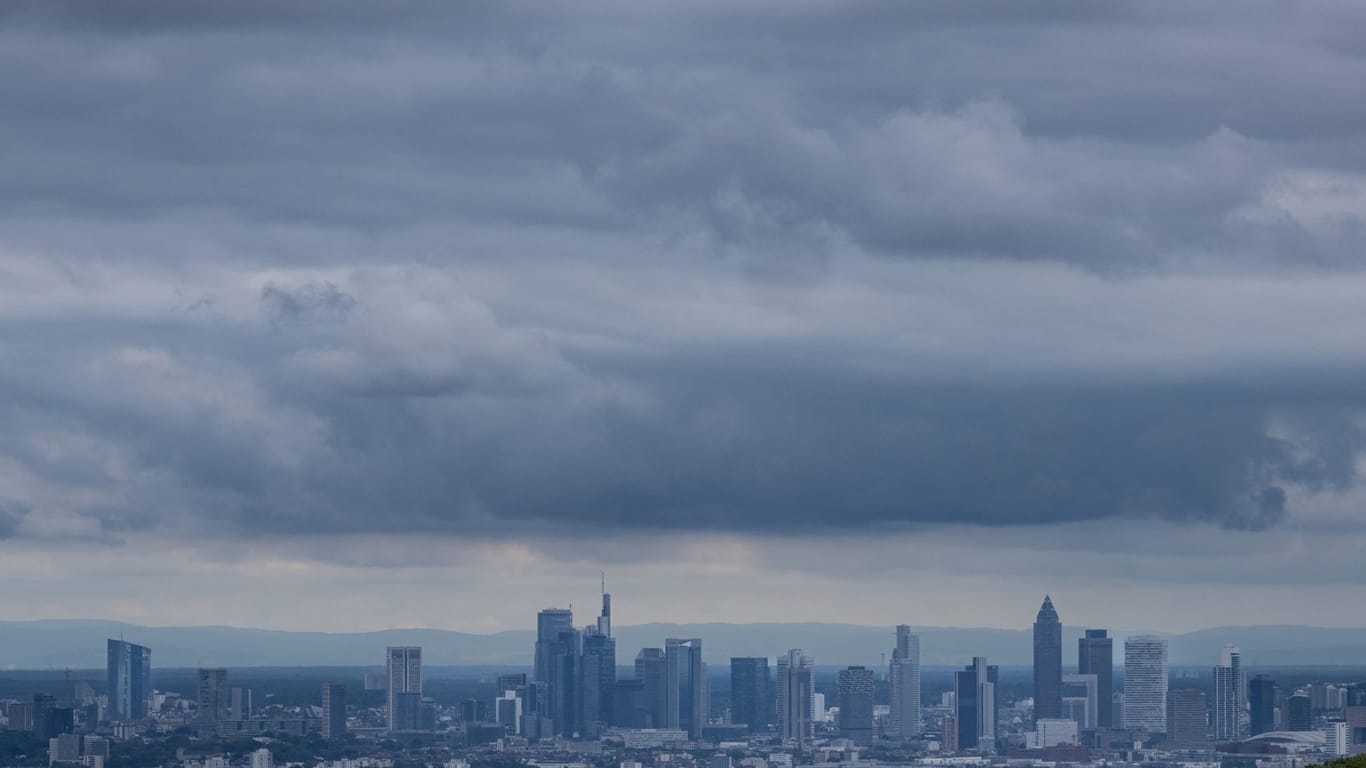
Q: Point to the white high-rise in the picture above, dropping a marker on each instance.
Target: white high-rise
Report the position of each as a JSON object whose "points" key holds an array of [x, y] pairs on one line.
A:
{"points": [[904, 674], [1226, 699], [1145, 683], [404, 666], [262, 758]]}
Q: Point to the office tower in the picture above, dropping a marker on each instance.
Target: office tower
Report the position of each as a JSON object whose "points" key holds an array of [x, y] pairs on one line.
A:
{"points": [[19, 715], [1187, 718], [1145, 683], [749, 692], [50, 720], [262, 758], [686, 686], [334, 710], [1338, 739], [856, 704], [1227, 694], [904, 675], [549, 624], [213, 699], [974, 694], [507, 712], [598, 688], [130, 681], [795, 690], [605, 618], [510, 681], [1047, 662], [949, 737], [1096, 656], [563, 688], [1299, 714], [239, 704], [629, 707], [473, 711], [652, 671], [403, 668], [1080, 700], [1262, 699]]}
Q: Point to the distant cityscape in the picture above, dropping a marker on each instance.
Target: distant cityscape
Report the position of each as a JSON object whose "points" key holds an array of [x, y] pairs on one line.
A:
{"points": [[579, 705]]}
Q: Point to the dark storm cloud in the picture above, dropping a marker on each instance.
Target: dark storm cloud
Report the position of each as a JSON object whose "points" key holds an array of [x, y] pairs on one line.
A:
{"points": [[298, 267]]}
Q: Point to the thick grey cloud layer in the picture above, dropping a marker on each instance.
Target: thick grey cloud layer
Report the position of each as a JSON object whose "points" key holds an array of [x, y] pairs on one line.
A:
{"points": [[341, 267]]}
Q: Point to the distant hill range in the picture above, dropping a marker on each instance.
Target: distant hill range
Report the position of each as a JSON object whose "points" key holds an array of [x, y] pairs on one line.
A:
{"points": [[80, 644]]}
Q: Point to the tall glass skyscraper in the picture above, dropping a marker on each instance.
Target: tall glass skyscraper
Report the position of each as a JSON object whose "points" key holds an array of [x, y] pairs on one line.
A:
{"points": [[749, 692], [130, 681], [404, 668], [904, 674], [796, 687], [1096, 656], [856, 704], [1145, 683], [685, 678], [1047, 662]]}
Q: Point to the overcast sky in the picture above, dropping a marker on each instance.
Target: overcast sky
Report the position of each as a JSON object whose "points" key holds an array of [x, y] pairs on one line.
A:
{"points": [[331, 315]]}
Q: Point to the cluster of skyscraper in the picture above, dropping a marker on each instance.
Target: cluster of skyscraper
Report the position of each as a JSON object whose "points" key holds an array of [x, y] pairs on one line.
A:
{"points": [[574, 689]]}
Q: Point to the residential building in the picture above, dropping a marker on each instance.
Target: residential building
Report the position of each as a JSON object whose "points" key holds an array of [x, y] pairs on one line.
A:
{"points": [[334, 710]]}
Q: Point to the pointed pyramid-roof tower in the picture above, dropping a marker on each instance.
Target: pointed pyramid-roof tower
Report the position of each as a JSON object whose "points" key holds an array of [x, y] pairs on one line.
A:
{"points": [[1047, 613]]}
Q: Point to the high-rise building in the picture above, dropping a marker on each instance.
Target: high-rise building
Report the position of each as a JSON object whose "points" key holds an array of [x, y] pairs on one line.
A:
{"points": [[334, 710], [904, 675], [550, 623], [1299, 713], [239, 704], [1080, 701], [1226, 705], [599, 683], [856, 704], [949, 736], [564, 689], [652, 672], [403, 667], [749, 692], [214, 700], [1187, 718], [1338, 739], [1262, 701], [130, 681], [262, 758], [974, 694], [1047, 662], [1145, 683], [686, 685], [795, 691], [1096, 656], [510, 681]]}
